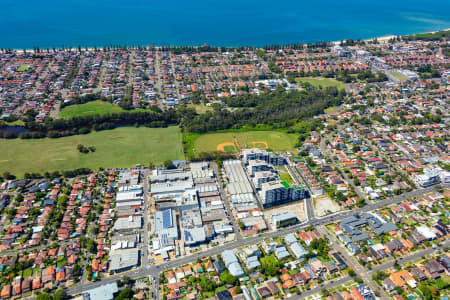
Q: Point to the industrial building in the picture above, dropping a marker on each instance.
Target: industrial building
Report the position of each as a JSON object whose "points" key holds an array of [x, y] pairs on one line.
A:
{"points": [[123, 259], [166, 227], [239, 187], [283, 219]]}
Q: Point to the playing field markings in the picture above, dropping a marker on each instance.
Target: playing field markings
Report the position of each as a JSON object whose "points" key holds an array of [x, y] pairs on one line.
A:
{"points": [[221, 147], [261, 144], [237, 143]]}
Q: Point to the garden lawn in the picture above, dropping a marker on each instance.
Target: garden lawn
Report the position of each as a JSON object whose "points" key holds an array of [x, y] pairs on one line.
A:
{"points": [[275, 140], [120, 147], [90, 108], [320, 81], [285, 176]]}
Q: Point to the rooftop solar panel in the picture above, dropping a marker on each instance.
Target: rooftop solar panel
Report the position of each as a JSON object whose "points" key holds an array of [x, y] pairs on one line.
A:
{"points": [[167, 218]]}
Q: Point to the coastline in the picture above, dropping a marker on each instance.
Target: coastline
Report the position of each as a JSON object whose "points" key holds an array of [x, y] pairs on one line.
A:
{"points": [[381, 39], [386, 38]]}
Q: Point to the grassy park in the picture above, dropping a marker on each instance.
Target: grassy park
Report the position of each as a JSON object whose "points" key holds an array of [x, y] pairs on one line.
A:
{"points": [[231, 141], [399, 76], [23, 68], [331, 109], [320, 81], [121, 147], [15, 123], [89, 108], [200, 108]]}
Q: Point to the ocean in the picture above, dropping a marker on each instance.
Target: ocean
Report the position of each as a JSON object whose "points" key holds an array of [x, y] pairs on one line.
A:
{"points": [[26, 24]]}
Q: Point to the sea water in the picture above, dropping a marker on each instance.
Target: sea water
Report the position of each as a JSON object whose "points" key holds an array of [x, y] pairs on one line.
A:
{"points": [[26, 23]]}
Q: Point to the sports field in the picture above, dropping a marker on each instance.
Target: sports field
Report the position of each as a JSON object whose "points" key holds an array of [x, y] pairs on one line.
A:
{"points": [[399, 76], [89, 108], [121, 147], [231, 141], [320, 81], [23, 68]]}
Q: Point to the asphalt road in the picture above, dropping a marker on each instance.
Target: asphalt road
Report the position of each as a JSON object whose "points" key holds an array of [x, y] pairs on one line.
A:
{"points": [[144, 238], [155, 270], [324, 150], [308, 201], [385, 266], [351, 261]]}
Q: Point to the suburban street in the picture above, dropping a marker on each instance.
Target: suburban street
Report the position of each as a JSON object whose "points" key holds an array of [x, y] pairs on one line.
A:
{"points": [[382, 267], [324, 150], [296, 177], [156, 270], [360, 270]]}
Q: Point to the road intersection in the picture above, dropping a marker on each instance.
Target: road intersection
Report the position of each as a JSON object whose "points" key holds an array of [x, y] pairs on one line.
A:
{"points": [[155, 270]]}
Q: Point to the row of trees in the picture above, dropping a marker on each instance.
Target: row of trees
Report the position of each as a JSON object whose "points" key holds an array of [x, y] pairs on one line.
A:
{"points": [[84, 99], [278, 107], [84, 124]]}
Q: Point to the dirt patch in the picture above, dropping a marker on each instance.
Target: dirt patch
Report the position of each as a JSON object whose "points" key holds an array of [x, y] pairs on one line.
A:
{"points": [[261, 144], [324, 205], [226, 147]]}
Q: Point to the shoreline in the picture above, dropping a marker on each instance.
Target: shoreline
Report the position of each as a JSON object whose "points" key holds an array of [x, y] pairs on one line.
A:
{"points": [[382, 39], [386, 38]]}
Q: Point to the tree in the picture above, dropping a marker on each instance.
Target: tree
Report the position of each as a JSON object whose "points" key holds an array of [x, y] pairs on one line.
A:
{"points": [[8, 176], [227, 278], [325, 292], [126, 280], [380, 275], [351, 272], [76, 270], [396, 265], [168, 164], [426, 292], [125, 294], [270, 266], [91, 246], [60, 294], [241, 225], [361, 202], [44, 296], [219, 162]]}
